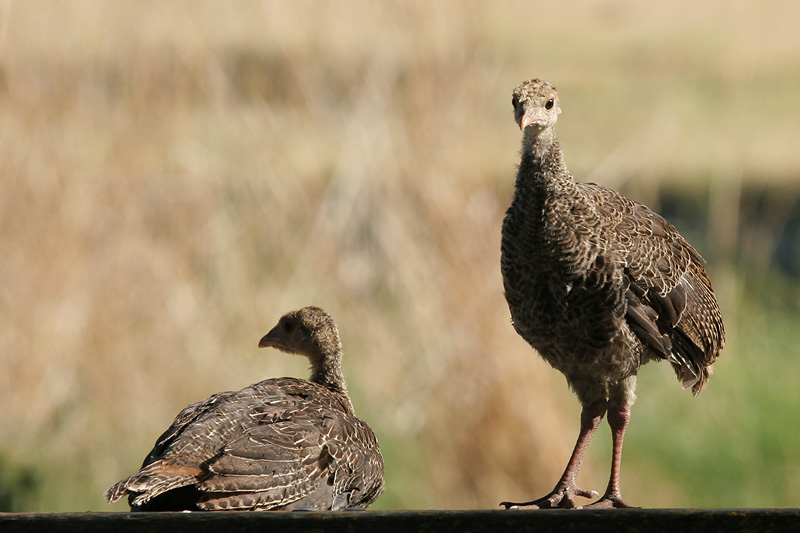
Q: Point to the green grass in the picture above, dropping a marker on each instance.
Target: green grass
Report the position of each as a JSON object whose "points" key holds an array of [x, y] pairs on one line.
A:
{"points": [[733, 445]]}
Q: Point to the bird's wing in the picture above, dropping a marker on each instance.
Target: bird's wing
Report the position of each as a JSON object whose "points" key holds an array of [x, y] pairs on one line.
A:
{"points": [[278, 461], [670, 303], [299, 453], [181, 454]]}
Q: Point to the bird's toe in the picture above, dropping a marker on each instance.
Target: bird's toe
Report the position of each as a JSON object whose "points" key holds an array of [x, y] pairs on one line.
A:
{"points": [[609, 502]]}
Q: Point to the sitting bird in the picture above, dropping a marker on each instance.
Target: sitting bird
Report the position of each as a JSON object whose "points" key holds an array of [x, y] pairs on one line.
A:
{"points": [[598, 285], [280, 444]]}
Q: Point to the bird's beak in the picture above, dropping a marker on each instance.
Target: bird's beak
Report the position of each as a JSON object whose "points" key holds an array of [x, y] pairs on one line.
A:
{"points": [[269, 340], [532, 117]]}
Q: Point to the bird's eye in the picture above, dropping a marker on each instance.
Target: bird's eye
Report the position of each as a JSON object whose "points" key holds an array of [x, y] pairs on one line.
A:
{"points": [[514, 102], [287, 326], [549, 104]]}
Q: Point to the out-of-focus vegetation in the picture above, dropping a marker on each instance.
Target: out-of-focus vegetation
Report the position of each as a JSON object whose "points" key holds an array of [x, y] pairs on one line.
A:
{"points": [[176, 175]]}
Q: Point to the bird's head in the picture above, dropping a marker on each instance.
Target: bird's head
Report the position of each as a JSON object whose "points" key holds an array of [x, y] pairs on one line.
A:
{"points": [[309, 331], [536, 106]]}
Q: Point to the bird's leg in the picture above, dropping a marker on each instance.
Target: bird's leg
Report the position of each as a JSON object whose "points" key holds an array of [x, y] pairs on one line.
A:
{"points": [[618, 418], [563, 495]]}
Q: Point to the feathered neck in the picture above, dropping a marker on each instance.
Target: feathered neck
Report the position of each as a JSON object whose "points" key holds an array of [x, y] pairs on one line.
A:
{"points": [[326, 365], [542, 159]]}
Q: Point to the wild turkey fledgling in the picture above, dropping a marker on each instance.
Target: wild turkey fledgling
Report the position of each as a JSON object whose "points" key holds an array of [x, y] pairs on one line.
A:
{"points": [[598, 285], [281, 444]]}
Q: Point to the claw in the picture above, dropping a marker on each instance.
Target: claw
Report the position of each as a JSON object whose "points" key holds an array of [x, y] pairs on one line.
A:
{"points": [[560, 498], [513, 506]]}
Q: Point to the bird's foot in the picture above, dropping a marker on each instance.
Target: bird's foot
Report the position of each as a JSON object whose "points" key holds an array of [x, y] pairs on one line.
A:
{"points": [[560, 498], [609, 501]]}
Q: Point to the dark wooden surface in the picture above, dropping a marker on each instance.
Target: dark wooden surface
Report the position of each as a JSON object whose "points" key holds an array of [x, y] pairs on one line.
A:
{"points": [[644, 520]]}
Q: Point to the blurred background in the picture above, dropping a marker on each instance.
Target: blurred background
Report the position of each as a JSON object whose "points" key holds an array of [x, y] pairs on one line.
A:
{"points": [[174, 176]]}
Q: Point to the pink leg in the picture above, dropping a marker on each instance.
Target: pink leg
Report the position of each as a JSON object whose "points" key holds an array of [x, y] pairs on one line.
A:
{"points": [[563, 495], [618, 420]]}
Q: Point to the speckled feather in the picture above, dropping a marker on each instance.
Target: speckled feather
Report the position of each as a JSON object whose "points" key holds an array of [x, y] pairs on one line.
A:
{"points": [[278, 444], [597, 283]]}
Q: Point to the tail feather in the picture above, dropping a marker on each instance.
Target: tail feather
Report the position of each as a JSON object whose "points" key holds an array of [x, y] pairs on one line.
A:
{"points": [[157, 478]]}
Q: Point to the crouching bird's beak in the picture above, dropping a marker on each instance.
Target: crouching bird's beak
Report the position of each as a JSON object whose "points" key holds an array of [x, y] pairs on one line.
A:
{"points": [[269, 339]]}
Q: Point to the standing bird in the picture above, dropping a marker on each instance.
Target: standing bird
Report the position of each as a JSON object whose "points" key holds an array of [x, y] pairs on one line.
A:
{"points": [[599, 285], [280, 444]]}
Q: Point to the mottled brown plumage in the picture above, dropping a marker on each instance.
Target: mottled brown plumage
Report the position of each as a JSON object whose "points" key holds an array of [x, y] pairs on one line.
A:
{"points": [[279, 444], [598, 285]]}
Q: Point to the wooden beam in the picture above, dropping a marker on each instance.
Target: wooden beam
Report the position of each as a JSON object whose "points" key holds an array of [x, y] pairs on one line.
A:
{"points": [[649, 520]]}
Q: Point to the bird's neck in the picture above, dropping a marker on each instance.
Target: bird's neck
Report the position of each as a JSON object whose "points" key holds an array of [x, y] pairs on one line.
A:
{"points": [[544, 193], [542, 166], [326, 369]]}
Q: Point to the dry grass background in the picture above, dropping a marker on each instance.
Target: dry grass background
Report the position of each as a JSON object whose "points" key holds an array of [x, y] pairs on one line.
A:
{"points": [[176, 175]]}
